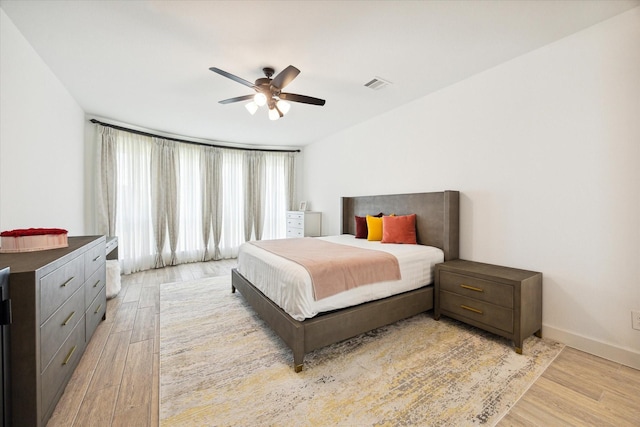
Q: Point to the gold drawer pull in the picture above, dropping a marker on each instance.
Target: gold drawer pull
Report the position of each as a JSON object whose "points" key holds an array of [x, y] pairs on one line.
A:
{"points": [[475, 310], [472, 288], [66, 360], [97, 309], [96, 258], [96, 283], [67, 282], [68, 318]]}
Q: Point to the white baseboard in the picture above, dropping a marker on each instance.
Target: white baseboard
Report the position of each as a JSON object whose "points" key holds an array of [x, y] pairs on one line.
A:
{"points": [[620, 355]]}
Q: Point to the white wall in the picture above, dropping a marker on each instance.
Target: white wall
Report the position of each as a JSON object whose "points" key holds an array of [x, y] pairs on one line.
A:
{"points": [[41, 141], [545, 150]]}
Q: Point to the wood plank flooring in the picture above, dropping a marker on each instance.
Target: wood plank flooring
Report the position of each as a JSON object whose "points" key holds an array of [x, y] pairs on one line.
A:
{"points": [[117, 380], [579, 389]]}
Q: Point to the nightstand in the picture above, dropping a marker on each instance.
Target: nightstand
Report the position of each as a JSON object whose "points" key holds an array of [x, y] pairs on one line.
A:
{"points": [[303, 224], [502, 300]]}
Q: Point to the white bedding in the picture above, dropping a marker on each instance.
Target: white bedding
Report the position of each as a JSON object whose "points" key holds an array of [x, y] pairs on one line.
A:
{"points": [[288, 284]]}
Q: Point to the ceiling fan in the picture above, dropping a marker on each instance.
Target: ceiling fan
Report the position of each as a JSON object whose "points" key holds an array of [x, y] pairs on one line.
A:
{"points": [[269, 92]]}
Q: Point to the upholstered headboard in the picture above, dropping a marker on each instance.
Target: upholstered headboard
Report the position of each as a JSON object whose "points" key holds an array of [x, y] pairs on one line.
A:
{"points": [[437, 216]]}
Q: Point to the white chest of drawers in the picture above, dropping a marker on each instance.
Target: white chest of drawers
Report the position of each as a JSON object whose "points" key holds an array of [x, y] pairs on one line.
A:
{"points": [[303, 224], [58, 298]]}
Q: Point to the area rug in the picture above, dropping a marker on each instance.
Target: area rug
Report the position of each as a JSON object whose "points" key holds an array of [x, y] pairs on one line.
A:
{"points": [[220, 365]]}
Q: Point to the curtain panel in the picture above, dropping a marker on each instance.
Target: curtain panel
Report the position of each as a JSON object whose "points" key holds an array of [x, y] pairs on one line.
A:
{"points": [[164, 197], [179, 202], [211, 193], [254, 189], [107, 181]]}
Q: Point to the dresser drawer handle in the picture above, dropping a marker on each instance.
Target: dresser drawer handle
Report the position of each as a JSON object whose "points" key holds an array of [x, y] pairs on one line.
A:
{"points": [[66, 360], [96, 258], [97, 282], [67, 282], [475, 310], [97, 309], [472, 288], [68, 318]]}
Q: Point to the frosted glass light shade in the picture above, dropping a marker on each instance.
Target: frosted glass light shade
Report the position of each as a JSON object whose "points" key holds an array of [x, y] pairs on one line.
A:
{"points": [[251, 107], [273, 114], [260, 99], [283, 106]]}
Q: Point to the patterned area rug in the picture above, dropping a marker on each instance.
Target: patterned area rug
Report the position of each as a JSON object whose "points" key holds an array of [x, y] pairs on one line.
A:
{"points": [[221, 365]]}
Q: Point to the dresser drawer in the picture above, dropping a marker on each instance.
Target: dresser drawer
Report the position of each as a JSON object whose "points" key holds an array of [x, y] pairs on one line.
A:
{"points": [[62, 365], [295, 232], [94, 258], [480, 311], [96, 312], [94, 284], [59, 285], [295, 223], [483, 290], [295, 216], [59, 326]]}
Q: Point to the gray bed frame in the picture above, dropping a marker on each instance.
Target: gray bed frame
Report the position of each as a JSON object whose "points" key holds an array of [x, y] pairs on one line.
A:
{"points": [[437, 224]]}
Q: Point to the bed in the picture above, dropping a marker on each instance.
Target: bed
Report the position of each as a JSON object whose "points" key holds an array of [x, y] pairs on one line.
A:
{"points": [[437, 225]]}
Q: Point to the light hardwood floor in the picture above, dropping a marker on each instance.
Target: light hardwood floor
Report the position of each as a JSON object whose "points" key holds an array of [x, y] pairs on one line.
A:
{"points": [[117, 380]]}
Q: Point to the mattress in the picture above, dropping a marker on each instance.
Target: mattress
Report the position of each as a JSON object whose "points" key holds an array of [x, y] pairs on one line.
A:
{"points": [[288, 284]]}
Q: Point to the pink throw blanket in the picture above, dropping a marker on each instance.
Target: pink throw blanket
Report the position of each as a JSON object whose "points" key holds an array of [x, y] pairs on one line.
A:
{"points": [[333, 267]]}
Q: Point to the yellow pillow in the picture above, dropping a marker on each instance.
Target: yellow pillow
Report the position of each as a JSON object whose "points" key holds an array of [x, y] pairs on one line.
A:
{"points": [[374, 225]]}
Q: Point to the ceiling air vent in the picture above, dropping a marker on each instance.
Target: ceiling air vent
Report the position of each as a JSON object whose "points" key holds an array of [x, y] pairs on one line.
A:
{"points": [[377, 83]]}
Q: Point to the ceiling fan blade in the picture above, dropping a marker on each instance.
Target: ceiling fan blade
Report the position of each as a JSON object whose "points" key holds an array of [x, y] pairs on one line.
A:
{"points": [[234, 78], [285, 77], [236, 99], [301, 98]]}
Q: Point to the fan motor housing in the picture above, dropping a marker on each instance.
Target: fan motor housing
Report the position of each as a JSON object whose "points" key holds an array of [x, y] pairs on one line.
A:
{"points": [[263, 82]]}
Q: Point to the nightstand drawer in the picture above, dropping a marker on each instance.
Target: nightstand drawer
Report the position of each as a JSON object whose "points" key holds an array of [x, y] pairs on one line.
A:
{"points": [[489, 314], [484, 290]]}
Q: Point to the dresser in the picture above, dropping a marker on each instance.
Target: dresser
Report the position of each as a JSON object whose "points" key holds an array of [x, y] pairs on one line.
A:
{"points": [[58, 299], [502, 300], [303, 224]]}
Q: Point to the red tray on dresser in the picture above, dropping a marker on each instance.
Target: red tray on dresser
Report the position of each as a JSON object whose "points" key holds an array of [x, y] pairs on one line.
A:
{"points": [[33, 239]]}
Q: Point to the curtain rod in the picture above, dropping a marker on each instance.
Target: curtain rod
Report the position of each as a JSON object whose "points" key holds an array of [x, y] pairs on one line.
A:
{"points": [[139, 132]]}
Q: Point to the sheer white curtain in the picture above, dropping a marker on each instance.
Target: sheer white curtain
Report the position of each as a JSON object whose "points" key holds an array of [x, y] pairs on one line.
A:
{"points": [[206, 178], [232, 203], [190, 245], [133, 221], [278, 180]]}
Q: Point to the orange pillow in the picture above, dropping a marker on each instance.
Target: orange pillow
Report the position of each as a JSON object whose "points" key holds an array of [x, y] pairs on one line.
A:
{"points": [[399, 229], [374, 227]]}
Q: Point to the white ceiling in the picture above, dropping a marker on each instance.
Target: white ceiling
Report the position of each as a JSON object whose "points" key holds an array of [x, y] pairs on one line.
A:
{"points": [[146, 63]]}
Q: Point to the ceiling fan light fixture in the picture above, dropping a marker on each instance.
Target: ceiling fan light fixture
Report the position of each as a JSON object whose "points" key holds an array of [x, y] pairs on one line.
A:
{"points": [[269, 92], [260, 99], [283, 106], [251, 107]]}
